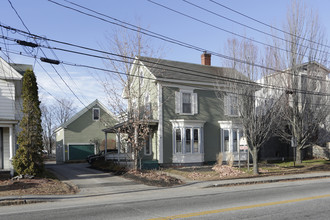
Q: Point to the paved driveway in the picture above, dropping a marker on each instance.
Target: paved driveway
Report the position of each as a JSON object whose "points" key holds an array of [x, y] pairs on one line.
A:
{"points": [[93, 182]]}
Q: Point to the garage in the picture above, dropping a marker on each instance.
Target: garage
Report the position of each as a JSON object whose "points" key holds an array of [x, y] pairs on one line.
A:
{"points": [[80, 151]]}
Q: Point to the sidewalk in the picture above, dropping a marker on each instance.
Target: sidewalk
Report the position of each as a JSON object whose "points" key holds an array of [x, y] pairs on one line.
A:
{"points": [[266, 179]]}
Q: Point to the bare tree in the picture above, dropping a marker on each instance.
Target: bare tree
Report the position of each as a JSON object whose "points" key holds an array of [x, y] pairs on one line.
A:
{"points": [[305, 97], [257, 113], [53, 115], [48, 126], [128, 91], [63, 110]]}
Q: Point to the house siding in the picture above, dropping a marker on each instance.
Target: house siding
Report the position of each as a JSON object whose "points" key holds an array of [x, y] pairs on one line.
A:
{"points": [[209, 110], [83, 130], [7, 100]]}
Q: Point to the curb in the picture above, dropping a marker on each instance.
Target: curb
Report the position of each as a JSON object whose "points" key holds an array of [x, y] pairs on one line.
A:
{"points": [[266, 181]]}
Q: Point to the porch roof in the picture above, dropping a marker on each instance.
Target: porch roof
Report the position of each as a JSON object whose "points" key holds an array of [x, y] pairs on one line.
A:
{"points": [[115, 128]]}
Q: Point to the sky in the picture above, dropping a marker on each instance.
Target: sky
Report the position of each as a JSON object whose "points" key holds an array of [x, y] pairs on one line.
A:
{"points": [[202, 29]]}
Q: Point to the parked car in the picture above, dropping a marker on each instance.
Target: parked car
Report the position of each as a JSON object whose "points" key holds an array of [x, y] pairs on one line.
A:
{"points": [[94, 157]]}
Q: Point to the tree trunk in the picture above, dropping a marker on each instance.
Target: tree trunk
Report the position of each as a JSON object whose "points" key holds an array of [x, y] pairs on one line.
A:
{"points": [[255, 161], [298, 155], [135, 166]]}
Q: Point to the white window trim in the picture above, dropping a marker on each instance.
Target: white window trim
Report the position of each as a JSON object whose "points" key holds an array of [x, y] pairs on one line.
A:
{"points": [[179, 104], [99, 114], [231, 126], [183, 156]]}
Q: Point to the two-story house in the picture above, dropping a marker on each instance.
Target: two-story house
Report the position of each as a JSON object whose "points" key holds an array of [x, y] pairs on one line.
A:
{"points": [[10, 109], [306, 88], [192, 122]]}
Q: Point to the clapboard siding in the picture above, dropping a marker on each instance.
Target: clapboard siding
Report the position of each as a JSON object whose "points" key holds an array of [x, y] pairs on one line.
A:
{"points": [[7, 100]]}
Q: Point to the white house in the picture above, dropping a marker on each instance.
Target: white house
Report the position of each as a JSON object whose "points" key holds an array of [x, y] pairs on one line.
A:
{"points": [[10, 110]]}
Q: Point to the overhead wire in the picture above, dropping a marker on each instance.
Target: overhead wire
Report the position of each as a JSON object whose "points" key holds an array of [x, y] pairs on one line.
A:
{"points": [[197, 73], [222, 29], [155, 35], [265, 24], [254, 29], [151, 78], [20, 18]]}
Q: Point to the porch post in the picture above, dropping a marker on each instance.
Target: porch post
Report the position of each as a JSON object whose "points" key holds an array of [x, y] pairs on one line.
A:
{"points": [[118, 146], [11, 150], [105, 146]]}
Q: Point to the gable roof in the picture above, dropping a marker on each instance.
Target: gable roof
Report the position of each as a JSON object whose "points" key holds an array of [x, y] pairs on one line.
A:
{"points": [[21, 68], [83, 111], [165, 70], [7, 72]]}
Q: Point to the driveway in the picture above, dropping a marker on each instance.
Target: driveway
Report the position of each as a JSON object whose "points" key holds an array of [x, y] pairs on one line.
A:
{"points": [[94, 182]]}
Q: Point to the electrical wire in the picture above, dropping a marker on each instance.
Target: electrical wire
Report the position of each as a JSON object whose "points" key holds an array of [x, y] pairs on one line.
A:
{"points": [[265, 24], [212, 77]]}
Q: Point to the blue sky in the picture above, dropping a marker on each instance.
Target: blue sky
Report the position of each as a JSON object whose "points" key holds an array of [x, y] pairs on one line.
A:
{"points": [[47, 19]]}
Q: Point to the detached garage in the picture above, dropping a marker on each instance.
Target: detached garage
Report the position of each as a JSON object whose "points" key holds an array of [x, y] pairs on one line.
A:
{"points": [[80, 151], [82, 135]]}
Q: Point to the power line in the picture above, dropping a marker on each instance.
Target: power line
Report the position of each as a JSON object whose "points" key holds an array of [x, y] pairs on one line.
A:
{"points": [[209, 76], [155, 35], [252, 28], [222, 29], [265, 24], [118, 55], [45, 55]]}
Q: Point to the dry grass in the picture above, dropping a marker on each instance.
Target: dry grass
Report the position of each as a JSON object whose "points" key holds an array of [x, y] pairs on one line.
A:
{"points": [[35, 187], [206, 173], [153, 178]]}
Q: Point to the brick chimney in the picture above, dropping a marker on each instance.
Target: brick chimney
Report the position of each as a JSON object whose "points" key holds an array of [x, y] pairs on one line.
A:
{"points": [[206, 59]]}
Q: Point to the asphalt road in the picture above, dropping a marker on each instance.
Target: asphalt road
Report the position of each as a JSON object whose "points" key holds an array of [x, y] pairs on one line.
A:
{"points": [[307, 199]]}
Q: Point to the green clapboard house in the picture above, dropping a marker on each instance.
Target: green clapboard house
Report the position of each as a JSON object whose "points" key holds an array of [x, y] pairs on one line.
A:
{"points": [[192, 122], [82, 135]]}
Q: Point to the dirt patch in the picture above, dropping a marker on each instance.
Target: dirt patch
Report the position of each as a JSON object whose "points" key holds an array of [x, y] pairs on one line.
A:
{"points": [[227, 171], [217, 172], [152, 178], [38, 186]]}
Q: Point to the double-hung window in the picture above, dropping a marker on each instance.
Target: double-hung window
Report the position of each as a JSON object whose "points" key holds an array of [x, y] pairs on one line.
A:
{"points": [[148, 145], [231, 105], [187, 140], [186, 102], [230, 136]]}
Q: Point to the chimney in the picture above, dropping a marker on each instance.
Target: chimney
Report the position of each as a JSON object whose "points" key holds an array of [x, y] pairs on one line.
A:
{"points": [[206, 59]]}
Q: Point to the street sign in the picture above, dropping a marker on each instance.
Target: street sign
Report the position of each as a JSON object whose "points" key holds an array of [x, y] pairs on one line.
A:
{"points": [[243, 143]]}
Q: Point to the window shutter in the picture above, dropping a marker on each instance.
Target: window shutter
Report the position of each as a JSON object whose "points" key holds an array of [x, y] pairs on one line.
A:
{"points": [[177, 102], [226, 104], [195, 103]]}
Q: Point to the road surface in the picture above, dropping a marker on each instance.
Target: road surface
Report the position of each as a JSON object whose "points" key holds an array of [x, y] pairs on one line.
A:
{"points": [[308, 199]]}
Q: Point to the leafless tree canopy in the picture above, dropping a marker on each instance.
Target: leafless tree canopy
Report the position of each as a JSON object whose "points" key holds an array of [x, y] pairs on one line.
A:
{"points": [[53, 115], [257, 113], [128, 91], [306, 93]]}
